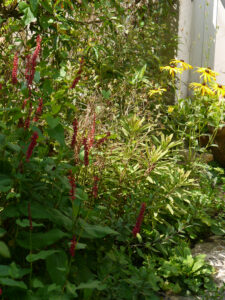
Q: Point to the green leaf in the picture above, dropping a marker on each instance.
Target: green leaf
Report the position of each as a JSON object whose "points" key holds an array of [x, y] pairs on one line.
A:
{"points": [[2, 232], [46, 4], [57, 133], [95, 231], [25, 223], [4, 250], [106, 94], [41, 255], [34, 5], [28, 16], [14, 283], [40, 240], [37, 76], [57, 265], [92, 284], [5, 183], [52, 122], [22, 5]]}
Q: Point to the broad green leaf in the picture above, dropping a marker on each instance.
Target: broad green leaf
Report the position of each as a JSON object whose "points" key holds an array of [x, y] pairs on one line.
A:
{"points": [[14, 283], [41, 255], [95, 231], [26, 223], [28, 16], [5, 183], [40, 240], [57, 133], [34, 5], [4, 250], [93, 284], [52, 122], [57, 265]]}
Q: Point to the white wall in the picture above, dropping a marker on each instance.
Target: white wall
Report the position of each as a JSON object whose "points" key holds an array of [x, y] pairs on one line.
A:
{"points": [[184, 33], [219, 62]]}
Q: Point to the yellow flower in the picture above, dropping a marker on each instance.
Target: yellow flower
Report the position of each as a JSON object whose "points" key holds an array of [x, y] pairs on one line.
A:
{"points": [[207, 74], [183, 64], [218, 89], [172, 69], [170, 109], [158, 91], [201, 88]]}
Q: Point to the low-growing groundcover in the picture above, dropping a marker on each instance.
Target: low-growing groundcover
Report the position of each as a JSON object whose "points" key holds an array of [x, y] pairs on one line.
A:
{"points": [[98, 200]]}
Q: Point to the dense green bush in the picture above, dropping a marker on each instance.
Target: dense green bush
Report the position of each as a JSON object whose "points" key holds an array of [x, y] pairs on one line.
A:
{"points": [[83, 147]]}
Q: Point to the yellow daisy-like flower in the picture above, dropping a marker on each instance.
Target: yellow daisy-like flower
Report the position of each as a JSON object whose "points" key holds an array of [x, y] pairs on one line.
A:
{"points": [[201, 88], [207, 73], [182, 63], [158, 91], [172, 69], [170, 109], [218, 89]]}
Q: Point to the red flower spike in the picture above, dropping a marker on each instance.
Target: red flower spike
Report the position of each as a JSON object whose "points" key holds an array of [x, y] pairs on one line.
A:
{"points": [[27, 121], [39, 110], [15, 67], [73, 246], [95, 187], [29, 217], [31, 146], [137, 226], [0, 291], [72, 186], [75, 128], [92, 134], [86, 152], [0, 86], [32, 61]]}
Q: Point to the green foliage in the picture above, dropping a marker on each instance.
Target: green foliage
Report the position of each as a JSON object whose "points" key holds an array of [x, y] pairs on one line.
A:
{"points": [[67, 215]]}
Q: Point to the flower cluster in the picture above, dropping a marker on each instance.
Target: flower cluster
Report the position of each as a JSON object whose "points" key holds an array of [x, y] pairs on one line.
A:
{"points": [[73, 246], [95, 187], [31, 62], [72, 186], [31, 146], [39, 110], [15, 67], [137, 226], [75, 128]]}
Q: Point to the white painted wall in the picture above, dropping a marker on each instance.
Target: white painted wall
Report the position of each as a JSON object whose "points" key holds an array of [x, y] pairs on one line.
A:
{"points": [[197, 32], [219, 62], [184, 33]]}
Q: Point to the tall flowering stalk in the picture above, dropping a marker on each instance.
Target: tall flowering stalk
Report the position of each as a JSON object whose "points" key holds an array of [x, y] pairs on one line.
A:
{"points": [[15, 68], [72, 186], [91, 136], [27, 121], [31, 146], [32, 62], [39, 110], [73, 246], [86, 152], [75, 128], [95, 187], [137, 226], [78, 77]]}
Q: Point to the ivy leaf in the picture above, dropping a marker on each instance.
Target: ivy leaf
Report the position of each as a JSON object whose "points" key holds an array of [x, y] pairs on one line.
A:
{"points": [[28, 16]]}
